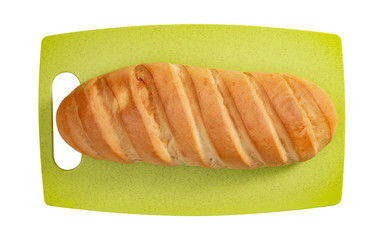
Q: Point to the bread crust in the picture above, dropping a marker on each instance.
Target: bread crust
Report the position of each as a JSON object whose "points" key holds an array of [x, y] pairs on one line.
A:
{"points": [[317, 118], [178, 112], [168, 114], [290, 112], [255, 117], [139, 121], [324, 102], [71, 130], [86, 99], [217, 119]]}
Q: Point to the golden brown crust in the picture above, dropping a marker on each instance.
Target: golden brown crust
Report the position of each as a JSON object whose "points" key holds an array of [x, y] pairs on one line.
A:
{"points": [[118, 135], [179, 114], [277, 127], [139, 121], [88, 105], [217, 120], [318, 121], [70, 128], [169, 114], [255, 117], [291, 114], [239, 103], [324, 102]]}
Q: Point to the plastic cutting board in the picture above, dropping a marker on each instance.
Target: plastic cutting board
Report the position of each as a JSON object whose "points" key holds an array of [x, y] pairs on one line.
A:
{"points": [[183, 190]]}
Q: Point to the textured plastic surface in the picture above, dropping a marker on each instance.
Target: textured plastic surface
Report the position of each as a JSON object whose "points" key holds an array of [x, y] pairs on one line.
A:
{"points": [[183, 190]]}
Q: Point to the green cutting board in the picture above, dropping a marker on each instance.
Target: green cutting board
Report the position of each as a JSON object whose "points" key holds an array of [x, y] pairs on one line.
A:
{"points": [[184, 190]]}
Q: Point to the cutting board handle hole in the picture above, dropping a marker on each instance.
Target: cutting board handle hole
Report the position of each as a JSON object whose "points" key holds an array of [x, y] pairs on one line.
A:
{"points": [[64, 156]]}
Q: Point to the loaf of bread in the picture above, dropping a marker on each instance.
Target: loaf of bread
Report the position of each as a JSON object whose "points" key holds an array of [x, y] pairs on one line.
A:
{"points": [[170, 114]]}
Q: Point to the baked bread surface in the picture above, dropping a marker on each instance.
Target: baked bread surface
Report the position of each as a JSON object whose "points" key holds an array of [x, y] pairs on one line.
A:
{"points": [[172, 114]]}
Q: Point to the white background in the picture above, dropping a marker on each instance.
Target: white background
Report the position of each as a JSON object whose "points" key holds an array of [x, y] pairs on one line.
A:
{"points": [[360, 24]]}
